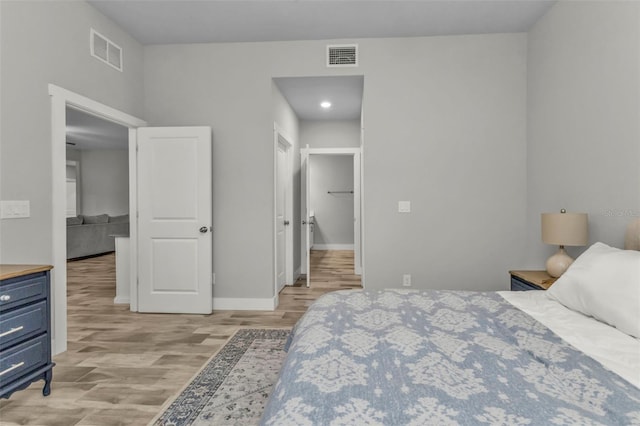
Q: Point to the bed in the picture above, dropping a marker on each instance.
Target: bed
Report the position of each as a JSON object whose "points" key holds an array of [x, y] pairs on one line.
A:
{"points": [[402, 357]]}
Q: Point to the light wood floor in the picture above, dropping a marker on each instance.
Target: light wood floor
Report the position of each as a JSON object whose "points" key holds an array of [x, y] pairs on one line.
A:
{"points": [[121, 367]]}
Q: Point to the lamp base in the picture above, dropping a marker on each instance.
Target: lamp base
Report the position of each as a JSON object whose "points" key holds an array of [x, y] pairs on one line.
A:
{"points": [[558, 263]]}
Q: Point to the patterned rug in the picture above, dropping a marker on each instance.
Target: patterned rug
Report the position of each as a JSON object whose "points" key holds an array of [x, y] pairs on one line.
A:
{"points": [[234, 385]]}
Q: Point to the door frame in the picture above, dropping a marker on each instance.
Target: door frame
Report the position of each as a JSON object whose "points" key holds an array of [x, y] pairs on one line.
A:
{"points": [[358, 197], [61, 98], [280, 137]]}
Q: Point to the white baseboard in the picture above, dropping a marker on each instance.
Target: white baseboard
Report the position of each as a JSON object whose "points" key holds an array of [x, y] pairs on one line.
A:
{"points": [[119, 300], [243, 304], [333, 247]]}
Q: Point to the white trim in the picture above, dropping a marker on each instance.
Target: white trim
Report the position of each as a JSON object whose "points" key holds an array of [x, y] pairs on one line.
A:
{"points": [[120, 300], [133, 220], [242, 304], [362, 212], [357, 214], [317, 246], [60, 99], [92, 107], [331, 151]]}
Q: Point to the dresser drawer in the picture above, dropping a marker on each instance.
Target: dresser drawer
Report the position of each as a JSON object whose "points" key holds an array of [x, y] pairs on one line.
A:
{"points": [[22, 358], [23, 323], [16, 291], [519, 285]]}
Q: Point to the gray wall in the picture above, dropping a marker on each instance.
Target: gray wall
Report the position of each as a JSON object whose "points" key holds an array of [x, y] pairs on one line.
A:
{"points": [[41, 43], [583, 150], [104, 182], [333, 212], [445, 128], [330, 134]]}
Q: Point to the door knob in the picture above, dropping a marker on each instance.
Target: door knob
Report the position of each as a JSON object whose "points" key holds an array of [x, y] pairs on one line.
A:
{"points": [[286, 222], [204, 229]]}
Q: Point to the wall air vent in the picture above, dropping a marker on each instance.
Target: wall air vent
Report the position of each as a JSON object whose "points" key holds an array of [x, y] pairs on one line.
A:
{"points": [[105, 50], [342, 55]]}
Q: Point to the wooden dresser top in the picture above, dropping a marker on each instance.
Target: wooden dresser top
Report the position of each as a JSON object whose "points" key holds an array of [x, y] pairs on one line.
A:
{"points": [[12, 271]]}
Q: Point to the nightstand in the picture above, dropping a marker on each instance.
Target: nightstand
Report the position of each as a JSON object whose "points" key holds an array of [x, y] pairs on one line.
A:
{"points": [[530, 280]]}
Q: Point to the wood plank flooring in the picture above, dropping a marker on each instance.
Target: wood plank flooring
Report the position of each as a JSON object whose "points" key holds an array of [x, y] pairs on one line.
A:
{"points": [[122, 367]]}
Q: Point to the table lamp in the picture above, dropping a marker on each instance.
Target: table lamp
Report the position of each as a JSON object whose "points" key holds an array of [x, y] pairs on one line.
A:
{"points": [[563, 229]]}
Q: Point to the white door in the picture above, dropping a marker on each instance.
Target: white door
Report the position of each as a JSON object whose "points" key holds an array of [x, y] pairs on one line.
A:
{"points": [[306, 227], [281, 219], [174, 220]]}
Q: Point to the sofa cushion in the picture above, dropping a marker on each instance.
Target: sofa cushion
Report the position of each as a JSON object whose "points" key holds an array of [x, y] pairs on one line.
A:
{"points": [[101, 218], [119, 219], [74, 220]]}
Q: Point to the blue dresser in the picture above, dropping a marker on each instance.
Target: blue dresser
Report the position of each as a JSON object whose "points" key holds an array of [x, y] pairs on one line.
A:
{"points": [[530, 280], [25, 328]]}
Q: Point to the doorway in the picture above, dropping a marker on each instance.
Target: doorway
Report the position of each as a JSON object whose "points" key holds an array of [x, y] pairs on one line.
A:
{"points": [[61, 100], [331, 208]]}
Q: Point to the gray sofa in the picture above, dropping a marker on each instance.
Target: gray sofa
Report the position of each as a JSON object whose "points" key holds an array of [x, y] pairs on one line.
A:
{"points": [[92, 235]]}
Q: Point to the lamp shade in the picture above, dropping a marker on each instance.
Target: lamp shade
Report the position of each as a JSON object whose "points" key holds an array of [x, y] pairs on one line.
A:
{"points": [[565, 229]]}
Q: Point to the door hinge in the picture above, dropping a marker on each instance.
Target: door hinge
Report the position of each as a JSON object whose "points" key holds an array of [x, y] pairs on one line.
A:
{"points": [[213, 278]]}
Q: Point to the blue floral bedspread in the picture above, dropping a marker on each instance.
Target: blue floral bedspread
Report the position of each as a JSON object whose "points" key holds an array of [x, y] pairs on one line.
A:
{"points": [[401, 357]]}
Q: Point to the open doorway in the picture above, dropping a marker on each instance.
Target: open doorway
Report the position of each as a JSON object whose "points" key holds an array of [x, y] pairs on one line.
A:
{"points": [[61, 101], [327, 120], [97, 192], [341, 236], [333, 201]]}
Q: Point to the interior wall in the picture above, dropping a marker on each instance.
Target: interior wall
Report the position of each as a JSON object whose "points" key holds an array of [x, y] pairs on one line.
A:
{"points": [[330, 133], [583, 149], [105, 182], [445, 129], [333, 212], [45, 42]]}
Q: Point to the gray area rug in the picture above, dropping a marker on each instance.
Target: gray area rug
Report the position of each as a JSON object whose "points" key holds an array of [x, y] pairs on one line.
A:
{"points": [[234, 385]]}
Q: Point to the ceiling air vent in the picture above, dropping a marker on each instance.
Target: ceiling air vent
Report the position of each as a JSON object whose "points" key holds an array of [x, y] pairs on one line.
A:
{"points": [[342, 55], [105, 50]]}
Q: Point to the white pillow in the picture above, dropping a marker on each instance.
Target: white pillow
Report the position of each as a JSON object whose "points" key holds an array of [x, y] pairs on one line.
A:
{"points": [[604, 283]]}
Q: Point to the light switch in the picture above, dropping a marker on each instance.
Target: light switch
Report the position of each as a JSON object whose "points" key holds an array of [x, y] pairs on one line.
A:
{"points": [[14, 209], [404, 206]]}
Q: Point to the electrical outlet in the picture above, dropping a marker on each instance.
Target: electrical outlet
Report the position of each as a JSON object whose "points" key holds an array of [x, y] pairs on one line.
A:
{"points": [[404, 206], [406, 280]]}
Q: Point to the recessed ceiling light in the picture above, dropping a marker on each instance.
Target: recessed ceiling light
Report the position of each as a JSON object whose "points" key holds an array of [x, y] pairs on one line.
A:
{"points": [[325, 104]]}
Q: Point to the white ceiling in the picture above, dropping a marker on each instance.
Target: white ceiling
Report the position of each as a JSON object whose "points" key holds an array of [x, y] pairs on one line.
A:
{"points": [[305, 94], [88, 132], [205, 21]]}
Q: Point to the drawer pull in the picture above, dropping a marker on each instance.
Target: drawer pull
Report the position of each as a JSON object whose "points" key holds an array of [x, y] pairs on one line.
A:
{"points": [[13, 367], [5, 298], [13, 330]]}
